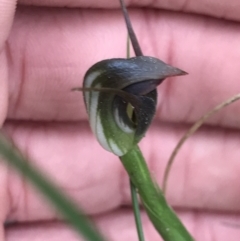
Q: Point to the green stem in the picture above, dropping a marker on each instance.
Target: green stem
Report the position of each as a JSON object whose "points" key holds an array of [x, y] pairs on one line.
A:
{"points": [[136, 210], [161, 214], [66, 207], [135, 204]]}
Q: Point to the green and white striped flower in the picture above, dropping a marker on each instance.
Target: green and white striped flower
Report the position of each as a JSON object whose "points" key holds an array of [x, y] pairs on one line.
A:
{"points": [[121, 99]]}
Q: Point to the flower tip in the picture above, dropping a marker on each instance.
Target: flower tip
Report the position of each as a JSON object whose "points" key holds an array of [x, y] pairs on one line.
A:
{"points": [[173, 71], [77, 89], [181, 72]]}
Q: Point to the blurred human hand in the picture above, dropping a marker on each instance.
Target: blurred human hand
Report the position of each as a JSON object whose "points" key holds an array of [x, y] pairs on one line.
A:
{"points": [[46, 47]]}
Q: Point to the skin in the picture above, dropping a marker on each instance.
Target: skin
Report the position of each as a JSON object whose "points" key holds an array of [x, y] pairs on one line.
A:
{"points": [[45, 52]]}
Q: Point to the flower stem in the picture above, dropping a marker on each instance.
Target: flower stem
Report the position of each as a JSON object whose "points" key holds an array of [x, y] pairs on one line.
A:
{"points": [[160, 213]]}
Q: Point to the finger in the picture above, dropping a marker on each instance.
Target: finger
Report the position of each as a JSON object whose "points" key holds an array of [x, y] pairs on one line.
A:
{"points": [[119, 225], [221, 9], [205, 175], [6, 18], [7, 9], [44, 69]]}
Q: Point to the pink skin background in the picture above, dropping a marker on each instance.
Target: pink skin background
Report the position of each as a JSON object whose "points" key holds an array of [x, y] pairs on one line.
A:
{"points": [[46, 46]]}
